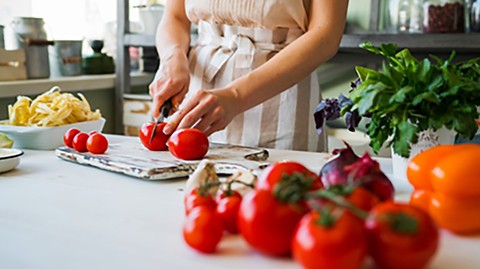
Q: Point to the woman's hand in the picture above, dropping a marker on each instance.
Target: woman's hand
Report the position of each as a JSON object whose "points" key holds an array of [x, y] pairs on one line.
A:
{"points": [[207, 110], [171, 81]]}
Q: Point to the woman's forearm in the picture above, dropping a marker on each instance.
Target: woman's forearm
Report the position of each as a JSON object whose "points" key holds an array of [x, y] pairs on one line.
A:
{"points": [[173, 32], [295, 62]]}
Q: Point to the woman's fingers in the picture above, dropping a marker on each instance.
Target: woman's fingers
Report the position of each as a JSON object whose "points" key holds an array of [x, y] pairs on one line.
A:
{"points": [[165, 89], [197, 111]]}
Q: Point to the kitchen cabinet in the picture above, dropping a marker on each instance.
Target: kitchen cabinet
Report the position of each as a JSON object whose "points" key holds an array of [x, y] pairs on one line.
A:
{"points": [[466, 45]]}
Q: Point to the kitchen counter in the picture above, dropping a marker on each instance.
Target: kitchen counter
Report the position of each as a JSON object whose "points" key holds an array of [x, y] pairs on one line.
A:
{"points": [[57, 214]]}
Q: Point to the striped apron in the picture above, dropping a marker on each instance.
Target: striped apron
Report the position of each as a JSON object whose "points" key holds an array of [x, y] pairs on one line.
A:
{"points": [[224, 53]]}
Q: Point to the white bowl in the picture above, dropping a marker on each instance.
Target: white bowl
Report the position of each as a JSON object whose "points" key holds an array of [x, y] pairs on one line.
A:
{"points": [[357, 140], [46, 138], [9, 159]]}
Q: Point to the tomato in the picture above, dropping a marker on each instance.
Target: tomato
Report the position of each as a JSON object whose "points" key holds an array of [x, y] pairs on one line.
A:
{"points": [[97, 143], [193, 199], [266, 224], [203, 229], [69, 135], [342, 244], [79, 142], [188, 144], [401, 236], [228, 205], [93, 132], [159, 142], [363, 199], [275, 172]]}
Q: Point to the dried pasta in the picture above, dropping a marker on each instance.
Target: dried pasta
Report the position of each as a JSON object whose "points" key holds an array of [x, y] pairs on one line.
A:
{"points": [[51, 108]]}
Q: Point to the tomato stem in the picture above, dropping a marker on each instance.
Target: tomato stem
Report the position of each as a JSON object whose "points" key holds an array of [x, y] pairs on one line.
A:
{"points": [[292, 187], [338, 200], [327, 219], [402, 223]]}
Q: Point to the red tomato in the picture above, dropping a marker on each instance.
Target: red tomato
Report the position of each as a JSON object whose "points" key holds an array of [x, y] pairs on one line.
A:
{"points": [[363, 199], [97, 143], [93, 132], [193, 199], [79, 142], [401, 236], [159, 142], [203, 229], [274, 173], [228, 205], [266, 224], [343, 244], [188, 144], [69, 135]]}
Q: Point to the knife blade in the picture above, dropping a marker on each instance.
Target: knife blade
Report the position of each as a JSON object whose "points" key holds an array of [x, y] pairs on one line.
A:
{"points": [[164, 112]]}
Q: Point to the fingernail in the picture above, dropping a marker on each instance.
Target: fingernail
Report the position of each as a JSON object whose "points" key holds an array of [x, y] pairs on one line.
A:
{"points": [[167, 129]]}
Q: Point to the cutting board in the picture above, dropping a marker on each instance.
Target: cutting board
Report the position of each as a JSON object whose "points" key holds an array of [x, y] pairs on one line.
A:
{"points": [[131, 158]]}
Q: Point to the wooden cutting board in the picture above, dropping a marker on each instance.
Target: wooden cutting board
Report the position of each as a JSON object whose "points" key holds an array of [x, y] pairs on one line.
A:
{"points": [[131, 158]]}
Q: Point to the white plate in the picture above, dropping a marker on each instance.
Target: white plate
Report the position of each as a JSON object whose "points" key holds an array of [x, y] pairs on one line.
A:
{"points": [[9, 159], [46, 138]]}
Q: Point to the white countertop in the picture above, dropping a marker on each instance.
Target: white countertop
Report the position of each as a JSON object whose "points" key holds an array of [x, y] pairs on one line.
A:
{"points": [[57, 214]]}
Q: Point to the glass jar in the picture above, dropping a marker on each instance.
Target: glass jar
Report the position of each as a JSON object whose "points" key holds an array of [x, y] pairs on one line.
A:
{"points": [[444, 16], [416, 17], [403, 18], [475, 16]]}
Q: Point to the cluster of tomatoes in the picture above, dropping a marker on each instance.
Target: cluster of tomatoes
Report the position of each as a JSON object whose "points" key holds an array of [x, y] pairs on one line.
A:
{"points": [[185, 144], [290, 211], [92, 142]]}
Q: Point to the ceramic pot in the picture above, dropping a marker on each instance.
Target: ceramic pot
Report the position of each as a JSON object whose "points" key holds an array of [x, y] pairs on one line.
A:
{"points": [[426, 140]]}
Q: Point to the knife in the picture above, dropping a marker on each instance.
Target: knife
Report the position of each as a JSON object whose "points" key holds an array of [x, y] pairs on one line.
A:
{"points": [[164, 112]]}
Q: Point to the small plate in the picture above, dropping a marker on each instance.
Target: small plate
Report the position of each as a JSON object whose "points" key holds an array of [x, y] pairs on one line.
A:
{"points": [[9, 159]]}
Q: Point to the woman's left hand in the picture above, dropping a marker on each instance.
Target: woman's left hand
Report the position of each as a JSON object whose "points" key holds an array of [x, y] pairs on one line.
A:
{"points": [[207, 110]]}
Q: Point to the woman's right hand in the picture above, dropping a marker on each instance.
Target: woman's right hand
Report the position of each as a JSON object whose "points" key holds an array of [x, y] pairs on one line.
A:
{"points": [[171, 81]]}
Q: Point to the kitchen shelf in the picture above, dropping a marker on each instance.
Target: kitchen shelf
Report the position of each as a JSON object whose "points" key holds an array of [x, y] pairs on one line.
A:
{"points": [[67, 84], [415, 42], [139, 40]]}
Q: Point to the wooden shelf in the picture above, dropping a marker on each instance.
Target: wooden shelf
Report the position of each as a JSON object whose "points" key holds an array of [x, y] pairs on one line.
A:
{"points": [[429, 43]]}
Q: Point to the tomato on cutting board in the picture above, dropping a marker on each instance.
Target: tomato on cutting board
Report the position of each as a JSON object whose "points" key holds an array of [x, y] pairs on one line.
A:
{"points": [[79, 142], [69, 135], [188, 144], [97, 143], [159, 141]]}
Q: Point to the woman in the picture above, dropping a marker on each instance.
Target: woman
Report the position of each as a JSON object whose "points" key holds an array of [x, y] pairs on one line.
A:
{"points": [[251, 79]]}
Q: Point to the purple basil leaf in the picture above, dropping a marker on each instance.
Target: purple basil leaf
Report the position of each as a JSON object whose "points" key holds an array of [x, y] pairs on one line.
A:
{"points": [[344, 101], [352, 120], [328, 109]]}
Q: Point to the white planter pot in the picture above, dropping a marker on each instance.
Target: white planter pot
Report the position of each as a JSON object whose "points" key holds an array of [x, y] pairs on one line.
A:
{"points": [[426, 139]]}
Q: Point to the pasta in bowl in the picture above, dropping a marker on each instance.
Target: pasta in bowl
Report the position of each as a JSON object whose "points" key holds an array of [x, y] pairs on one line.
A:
{"points": [[41, 123]]}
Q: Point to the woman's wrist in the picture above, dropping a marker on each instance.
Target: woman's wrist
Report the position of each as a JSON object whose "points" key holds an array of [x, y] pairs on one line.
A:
{"points": [[245, 90], [174, 52]]}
